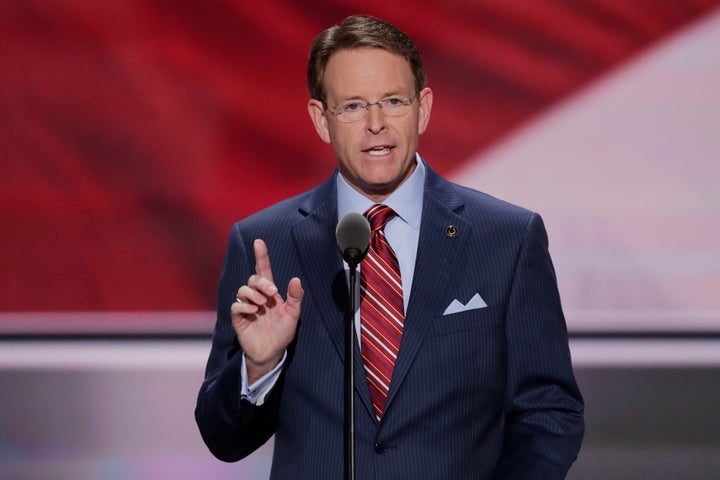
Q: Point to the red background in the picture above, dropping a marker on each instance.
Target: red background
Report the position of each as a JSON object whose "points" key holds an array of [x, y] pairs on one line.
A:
{"points": [[134, 133]]}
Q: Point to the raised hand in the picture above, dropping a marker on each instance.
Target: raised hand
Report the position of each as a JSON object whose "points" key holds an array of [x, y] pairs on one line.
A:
{"points": [[264, 323]]}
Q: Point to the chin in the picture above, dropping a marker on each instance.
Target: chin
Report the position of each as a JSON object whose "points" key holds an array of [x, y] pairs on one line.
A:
{"points": [[380, 188]]}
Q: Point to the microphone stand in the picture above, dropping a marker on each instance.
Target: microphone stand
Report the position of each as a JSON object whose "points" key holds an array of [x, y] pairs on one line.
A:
{"points": [[350, 376], [353, 236]]}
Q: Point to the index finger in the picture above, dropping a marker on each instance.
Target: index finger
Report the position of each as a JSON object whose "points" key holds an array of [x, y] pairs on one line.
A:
{"points": [[262, 260]]}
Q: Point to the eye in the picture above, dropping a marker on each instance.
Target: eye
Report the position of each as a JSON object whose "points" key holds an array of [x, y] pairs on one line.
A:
{"points": [[352, 107], [394, 102]]}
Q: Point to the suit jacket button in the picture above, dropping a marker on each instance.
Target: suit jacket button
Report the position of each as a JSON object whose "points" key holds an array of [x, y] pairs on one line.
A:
{"points": [[380, 448]]}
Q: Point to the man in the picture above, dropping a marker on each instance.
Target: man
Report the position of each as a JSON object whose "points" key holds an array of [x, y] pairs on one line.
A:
{"points": [[476, 380]]}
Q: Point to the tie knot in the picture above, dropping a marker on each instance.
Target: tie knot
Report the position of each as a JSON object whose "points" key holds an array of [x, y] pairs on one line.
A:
{"points": [[378, 215]]}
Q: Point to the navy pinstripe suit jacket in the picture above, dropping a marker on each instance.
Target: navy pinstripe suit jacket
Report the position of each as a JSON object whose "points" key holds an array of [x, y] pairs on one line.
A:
{"points": [[481, 394]]}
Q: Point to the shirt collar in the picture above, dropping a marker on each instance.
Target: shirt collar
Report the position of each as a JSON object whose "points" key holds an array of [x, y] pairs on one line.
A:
{"points": [[406, 200]]}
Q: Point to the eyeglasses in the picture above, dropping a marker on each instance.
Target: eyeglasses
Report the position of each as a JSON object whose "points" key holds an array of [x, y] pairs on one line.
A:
{"points": [[353, 111]]}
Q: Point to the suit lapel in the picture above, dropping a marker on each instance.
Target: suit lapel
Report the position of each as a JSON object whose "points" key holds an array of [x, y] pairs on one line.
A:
{"points": [[437, 255], [314, 237]]}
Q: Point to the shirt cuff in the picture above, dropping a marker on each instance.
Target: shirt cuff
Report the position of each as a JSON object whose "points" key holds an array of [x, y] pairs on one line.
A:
{"points": [[257, 392]]}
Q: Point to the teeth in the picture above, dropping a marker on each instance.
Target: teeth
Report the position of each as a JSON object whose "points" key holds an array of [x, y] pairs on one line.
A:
{"points": [[379, 151]]}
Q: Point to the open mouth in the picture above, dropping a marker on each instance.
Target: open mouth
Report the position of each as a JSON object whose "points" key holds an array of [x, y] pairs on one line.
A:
{"points": [[379, 150]]}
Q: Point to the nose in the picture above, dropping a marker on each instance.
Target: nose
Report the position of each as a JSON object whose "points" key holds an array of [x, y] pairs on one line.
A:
{"points": [[375, 118]]}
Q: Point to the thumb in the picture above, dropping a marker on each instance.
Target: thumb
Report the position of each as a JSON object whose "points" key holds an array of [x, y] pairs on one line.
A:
{"points": [[295, 295]]}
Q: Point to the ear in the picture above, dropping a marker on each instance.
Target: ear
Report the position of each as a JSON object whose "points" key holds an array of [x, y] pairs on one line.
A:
{"points": [[317, 114], [426, 100]]}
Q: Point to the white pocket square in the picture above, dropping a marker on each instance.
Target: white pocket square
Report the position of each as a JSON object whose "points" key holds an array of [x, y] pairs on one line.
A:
{"points": [[475, 302]]}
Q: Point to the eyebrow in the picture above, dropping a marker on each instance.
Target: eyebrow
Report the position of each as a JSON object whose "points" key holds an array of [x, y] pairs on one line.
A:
{"points": [[391, 93]]}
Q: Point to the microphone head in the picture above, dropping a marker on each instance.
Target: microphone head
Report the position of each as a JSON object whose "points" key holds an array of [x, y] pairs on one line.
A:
{"points": [[353, 237]]}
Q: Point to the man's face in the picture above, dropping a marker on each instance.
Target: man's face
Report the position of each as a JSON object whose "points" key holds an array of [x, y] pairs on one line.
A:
{"points": [[377, 152]]}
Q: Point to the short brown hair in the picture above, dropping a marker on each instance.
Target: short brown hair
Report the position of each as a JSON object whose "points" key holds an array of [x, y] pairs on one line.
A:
{"points": [[359, 31]]}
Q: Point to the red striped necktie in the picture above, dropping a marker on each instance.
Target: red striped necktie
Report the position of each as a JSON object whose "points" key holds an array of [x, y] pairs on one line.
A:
{"points": [[381, 307]]}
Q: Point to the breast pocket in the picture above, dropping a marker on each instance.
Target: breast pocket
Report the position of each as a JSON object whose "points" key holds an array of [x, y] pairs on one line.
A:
{"points": [[467, 320]]}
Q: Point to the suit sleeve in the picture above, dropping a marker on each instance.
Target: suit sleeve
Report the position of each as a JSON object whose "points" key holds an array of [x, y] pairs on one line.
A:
{"points": [[544, 407], [232, 427]]}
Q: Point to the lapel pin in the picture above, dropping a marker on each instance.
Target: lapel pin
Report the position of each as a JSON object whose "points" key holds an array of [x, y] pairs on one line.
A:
{"points": [[451, 231]]}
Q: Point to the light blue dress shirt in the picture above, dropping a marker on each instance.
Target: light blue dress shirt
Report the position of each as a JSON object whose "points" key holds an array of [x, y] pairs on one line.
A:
{"points": [[402, 232]]}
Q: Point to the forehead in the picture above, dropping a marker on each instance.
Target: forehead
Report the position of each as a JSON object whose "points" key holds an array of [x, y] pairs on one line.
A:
{"points": [[367, 72]]}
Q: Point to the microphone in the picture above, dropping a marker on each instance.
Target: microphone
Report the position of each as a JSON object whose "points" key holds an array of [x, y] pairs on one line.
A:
{"points": [[353, 238]]}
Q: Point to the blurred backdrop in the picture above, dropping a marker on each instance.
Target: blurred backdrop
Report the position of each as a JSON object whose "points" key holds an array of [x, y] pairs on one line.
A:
{"points": [[134, 133]]}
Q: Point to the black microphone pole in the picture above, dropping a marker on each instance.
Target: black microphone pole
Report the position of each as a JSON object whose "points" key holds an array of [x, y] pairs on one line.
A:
{"points": [[350, 379], [353, 237]]}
